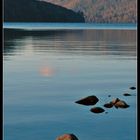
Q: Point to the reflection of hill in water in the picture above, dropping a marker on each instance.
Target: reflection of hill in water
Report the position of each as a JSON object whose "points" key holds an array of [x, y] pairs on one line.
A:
{"points": [[104, 42]]}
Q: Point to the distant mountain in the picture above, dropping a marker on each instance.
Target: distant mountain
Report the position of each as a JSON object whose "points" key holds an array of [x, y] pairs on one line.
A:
{"points": [[38, 11], [105, 11]]}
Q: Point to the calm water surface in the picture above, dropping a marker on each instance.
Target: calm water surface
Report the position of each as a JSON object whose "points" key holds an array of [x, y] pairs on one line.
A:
{"points": [[65, 26], [45, 72]]}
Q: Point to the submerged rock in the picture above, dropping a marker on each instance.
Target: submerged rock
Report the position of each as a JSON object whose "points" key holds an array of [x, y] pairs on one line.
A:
{"points": [[108, 105], [97, 110], [132, 88], [127, 94], [90, 100], [67, 137]]}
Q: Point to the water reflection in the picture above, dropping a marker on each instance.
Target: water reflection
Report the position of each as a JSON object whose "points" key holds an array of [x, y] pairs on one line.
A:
{"points": [[88, 42]]}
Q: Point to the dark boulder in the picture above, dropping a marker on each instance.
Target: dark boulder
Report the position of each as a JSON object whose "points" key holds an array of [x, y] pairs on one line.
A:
{"points": [[97, 110], [90, 100]]}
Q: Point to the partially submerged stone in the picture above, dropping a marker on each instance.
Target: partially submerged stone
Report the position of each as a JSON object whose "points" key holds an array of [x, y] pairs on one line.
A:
{"points": [[132, 88], [97, 110], [108, 105], [127, 94], [90, 100], [67, 137]]}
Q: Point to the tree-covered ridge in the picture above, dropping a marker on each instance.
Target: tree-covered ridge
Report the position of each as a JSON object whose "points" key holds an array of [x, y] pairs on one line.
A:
{"points": [[38, 11], [105, 11]]}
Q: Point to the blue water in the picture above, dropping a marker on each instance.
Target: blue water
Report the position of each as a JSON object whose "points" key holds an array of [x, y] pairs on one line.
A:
{"points": [[72, 26], [46, 71]]}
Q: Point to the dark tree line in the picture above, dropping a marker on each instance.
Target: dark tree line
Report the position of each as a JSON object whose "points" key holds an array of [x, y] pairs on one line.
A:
{"points": [[38, 11]]}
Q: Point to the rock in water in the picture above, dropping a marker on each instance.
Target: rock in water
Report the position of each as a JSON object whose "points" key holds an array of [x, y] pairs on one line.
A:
{"points": [[132, 88], [67, 137], [90, 100], [127, 94], [119, 103], [97, 110], [115, 101], [108, 105]]}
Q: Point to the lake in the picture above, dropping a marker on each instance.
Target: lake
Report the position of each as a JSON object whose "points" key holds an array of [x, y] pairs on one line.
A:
{"points": [[46, 71]]}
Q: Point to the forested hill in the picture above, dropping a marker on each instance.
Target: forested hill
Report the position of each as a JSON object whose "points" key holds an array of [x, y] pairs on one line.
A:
{"points": [[38, 11], [103, 11]]}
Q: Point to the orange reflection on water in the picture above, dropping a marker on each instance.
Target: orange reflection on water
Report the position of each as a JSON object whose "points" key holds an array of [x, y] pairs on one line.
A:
{"points": [[47, 71]]}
